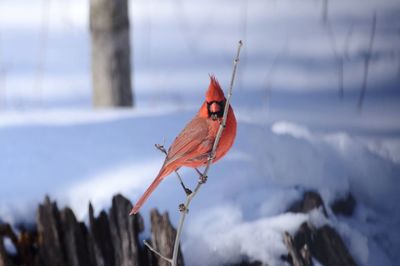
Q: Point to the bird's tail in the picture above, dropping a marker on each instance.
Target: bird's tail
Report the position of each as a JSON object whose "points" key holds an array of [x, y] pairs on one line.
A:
{"points": [[163, 172]]}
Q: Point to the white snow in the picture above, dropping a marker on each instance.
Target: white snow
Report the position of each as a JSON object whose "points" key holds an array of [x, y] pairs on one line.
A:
{"points": [[228, 238], [294, 133]]}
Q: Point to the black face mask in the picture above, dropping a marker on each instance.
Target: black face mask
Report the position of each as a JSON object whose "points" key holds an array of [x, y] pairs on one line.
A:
{"points": [[220, 110]]}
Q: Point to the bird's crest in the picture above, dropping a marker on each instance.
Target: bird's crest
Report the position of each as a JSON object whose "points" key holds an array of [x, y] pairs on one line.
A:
{"points": [[214, 92]]}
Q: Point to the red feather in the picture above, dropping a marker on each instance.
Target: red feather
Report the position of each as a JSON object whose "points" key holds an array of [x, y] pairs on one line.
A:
{"points": [[193, 145]]}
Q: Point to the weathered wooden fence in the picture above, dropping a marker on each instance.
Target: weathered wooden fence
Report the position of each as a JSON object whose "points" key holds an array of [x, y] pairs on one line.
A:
{"points": [[112, 238]]}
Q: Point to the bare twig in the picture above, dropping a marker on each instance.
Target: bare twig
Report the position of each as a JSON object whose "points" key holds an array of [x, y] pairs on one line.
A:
{"points": [[156, 252], [366, 64], [210, 159], [184, 208], [339, 57]]}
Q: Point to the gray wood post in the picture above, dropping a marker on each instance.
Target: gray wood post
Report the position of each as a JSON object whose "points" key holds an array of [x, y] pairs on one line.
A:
{"points": [[111, 67]]}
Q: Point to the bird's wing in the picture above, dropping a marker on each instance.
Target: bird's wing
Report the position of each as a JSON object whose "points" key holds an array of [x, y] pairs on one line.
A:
{"points": [[190, 142]]}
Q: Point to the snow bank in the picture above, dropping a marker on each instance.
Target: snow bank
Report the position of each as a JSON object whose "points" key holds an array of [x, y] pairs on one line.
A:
{"points": [[228, 238], [240, 209]]}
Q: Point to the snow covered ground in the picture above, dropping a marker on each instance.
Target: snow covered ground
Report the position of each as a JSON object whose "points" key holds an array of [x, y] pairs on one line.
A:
{"points": [[294, 133]]}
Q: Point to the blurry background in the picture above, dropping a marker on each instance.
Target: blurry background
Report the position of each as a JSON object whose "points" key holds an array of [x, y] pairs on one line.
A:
{"points": [[303, 122]]}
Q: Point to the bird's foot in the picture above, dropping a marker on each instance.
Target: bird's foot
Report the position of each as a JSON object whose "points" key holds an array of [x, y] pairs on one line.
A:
{"points": [[203, 179], [211, 158], [182, 208], [187, 191]]}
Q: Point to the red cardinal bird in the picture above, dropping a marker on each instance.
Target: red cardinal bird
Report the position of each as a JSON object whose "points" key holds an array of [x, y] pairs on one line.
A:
{"points": [[193, 145]]}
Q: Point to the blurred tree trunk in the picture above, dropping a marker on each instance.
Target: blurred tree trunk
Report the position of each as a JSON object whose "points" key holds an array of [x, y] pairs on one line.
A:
{"points": [[111, 67]]}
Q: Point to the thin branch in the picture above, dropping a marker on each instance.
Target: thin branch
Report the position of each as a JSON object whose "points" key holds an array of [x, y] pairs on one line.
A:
{"points": [[184, 208], [366, 64], [156, 252], [189, 198], [340, 56]]}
